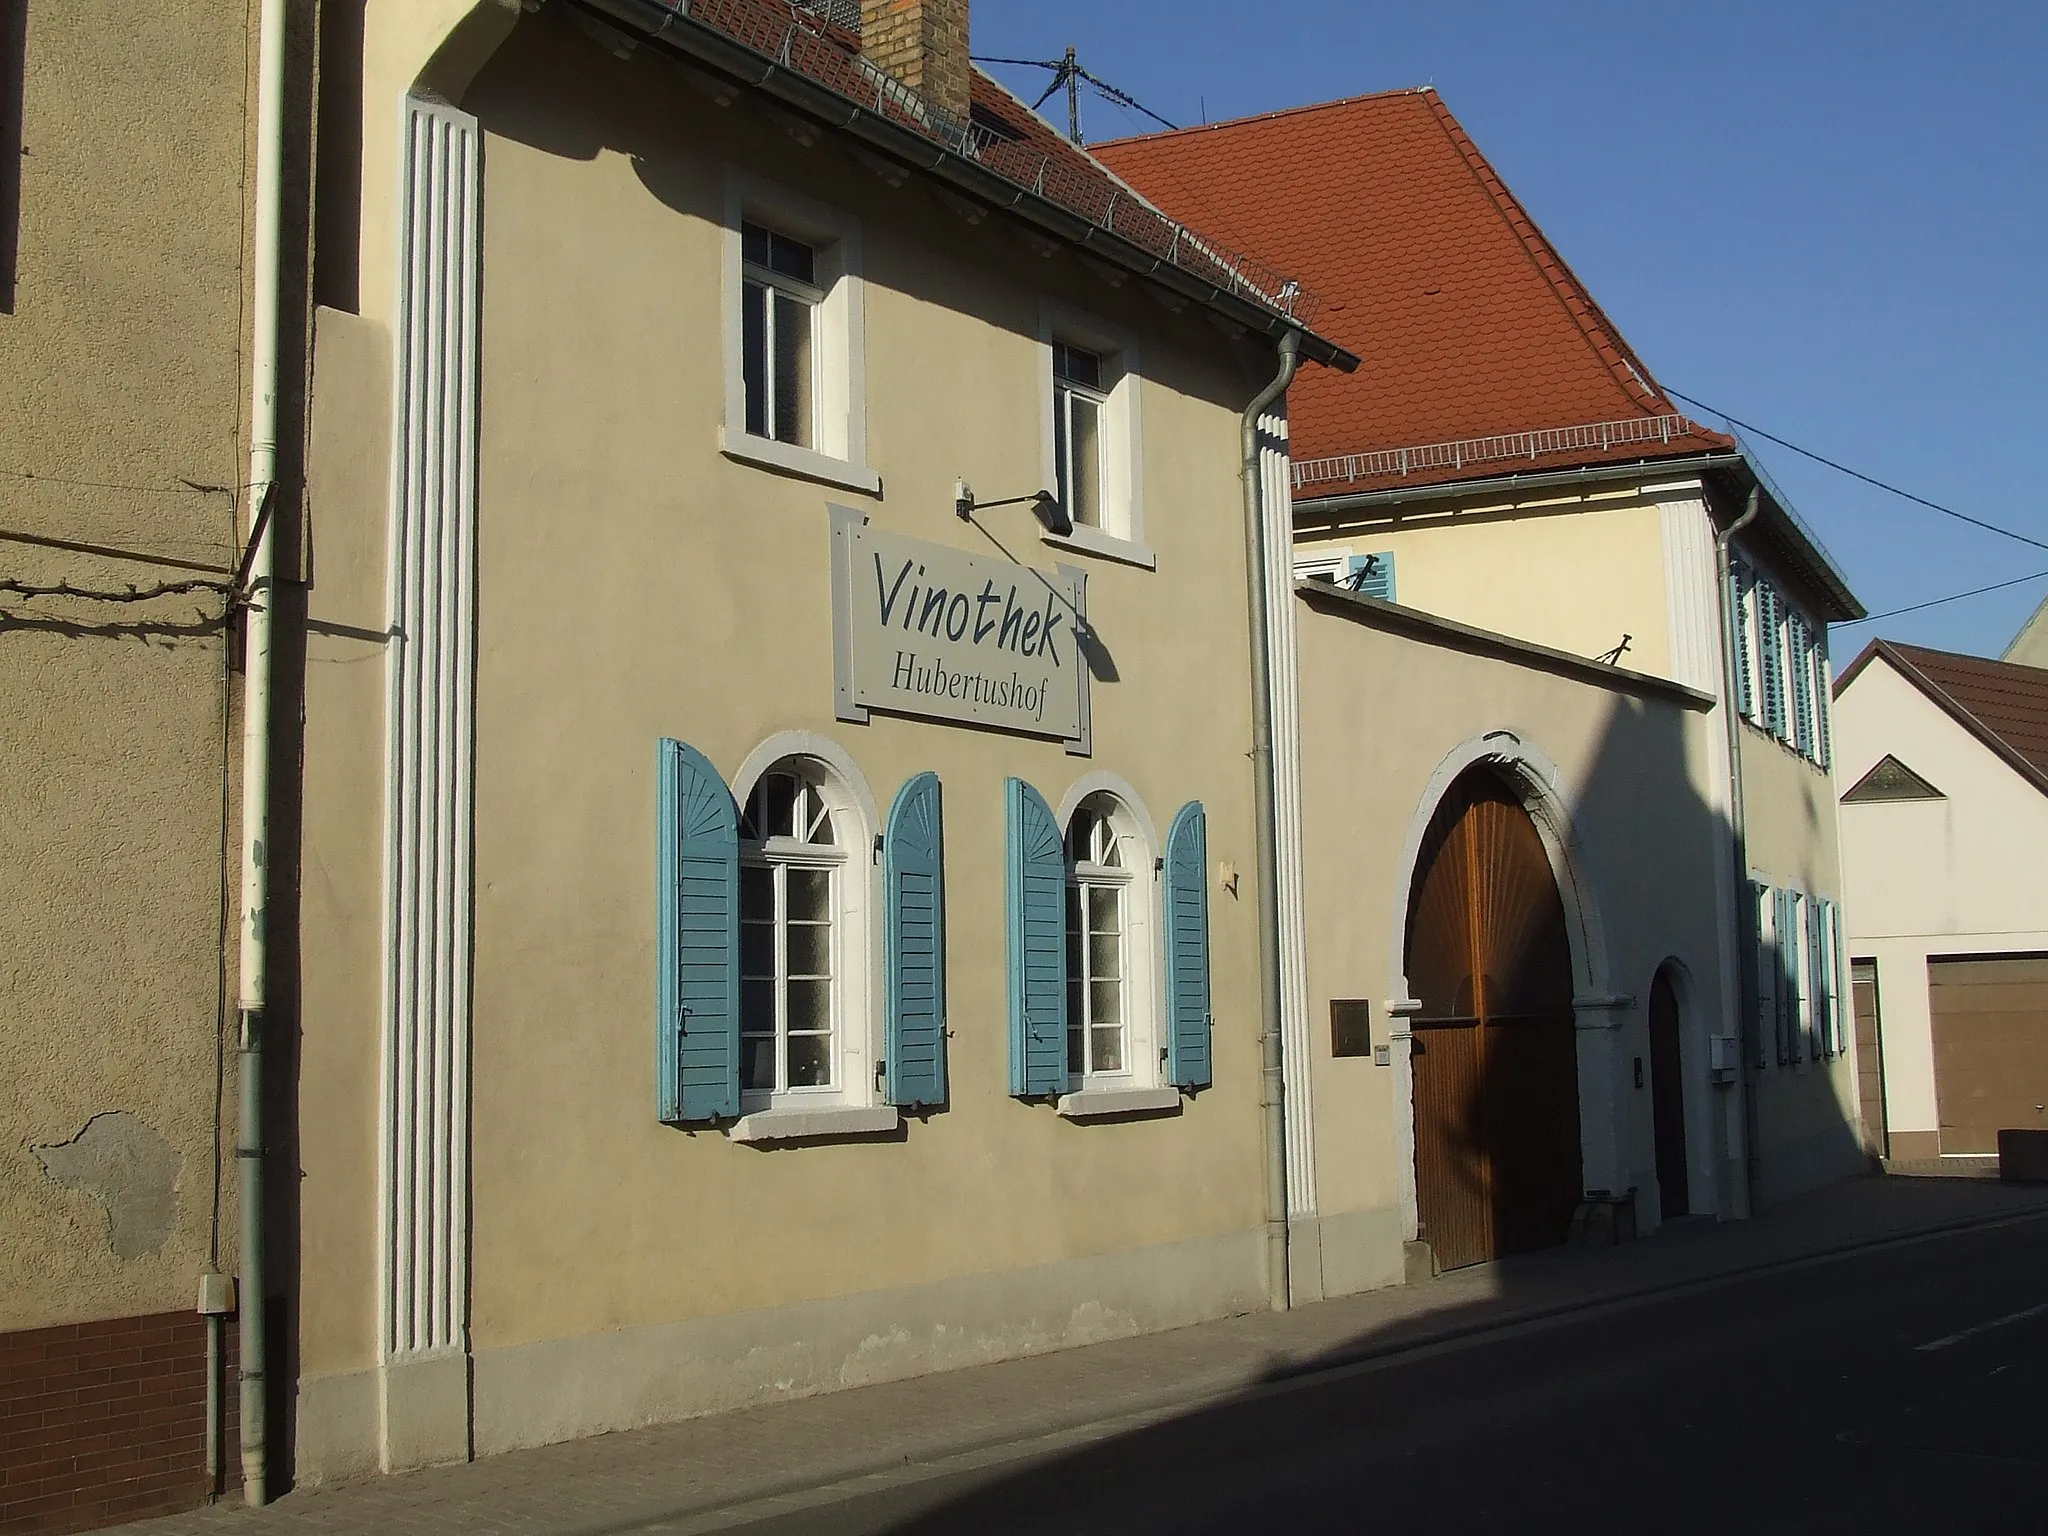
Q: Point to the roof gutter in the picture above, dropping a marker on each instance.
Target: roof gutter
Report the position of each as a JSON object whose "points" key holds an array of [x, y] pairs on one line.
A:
{"points": [[1315, 509], [1775, 517], [700, 45], [1796, 540]]}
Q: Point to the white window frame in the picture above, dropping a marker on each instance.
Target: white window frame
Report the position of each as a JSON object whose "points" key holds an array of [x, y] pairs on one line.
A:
{"points": [[779, 286], [1307, 567], [1139, 1083], [853, 1105], [838, 454], [1121, 536]]}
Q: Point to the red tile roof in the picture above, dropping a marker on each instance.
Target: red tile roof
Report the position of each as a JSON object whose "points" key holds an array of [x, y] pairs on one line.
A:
{"points": [[1470, 324], [2003, 704]]}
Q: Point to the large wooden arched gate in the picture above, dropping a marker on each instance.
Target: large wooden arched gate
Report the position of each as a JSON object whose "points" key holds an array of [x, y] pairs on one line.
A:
{"points": [[1497, 1167]]}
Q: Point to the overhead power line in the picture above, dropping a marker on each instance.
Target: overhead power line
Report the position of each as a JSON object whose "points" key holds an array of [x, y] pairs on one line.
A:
{"points": [[1953, 597], [1857, 474]]}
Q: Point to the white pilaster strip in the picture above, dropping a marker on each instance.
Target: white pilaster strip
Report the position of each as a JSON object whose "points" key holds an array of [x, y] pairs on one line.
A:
{"points": [[1698, 638], [425, 1113], [1296, 1075]]}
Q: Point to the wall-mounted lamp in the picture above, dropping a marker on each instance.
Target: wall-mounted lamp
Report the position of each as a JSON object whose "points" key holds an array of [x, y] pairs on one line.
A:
{"points": [[1044, 505]]}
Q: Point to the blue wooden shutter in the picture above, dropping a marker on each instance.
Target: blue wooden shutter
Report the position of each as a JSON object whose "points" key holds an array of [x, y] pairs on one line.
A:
{"points": [[1759, 1011], [1823, 971], [1373, 574], [1771, 642], [1824, 751], [698, 991], [1823, 978], [913, 873], [1037, 881], [1795, 980], [1740, 586], [1781, 982], [1188, 1063], [1839, 995], [1801, 660]]}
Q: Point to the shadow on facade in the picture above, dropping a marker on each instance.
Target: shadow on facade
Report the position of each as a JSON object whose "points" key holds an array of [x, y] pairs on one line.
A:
{"points": [[1540, 935]]}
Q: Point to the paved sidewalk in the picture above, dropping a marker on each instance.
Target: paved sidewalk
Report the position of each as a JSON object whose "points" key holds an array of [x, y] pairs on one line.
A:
{"points": [[708, 1474]]}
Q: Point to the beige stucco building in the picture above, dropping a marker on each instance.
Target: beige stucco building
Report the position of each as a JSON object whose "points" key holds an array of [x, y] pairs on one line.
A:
{"points": [[734, 902], [670, 403], [1944, 768]]}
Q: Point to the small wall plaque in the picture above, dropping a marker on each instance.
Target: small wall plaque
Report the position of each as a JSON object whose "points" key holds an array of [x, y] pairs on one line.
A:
{"points": [[1350, 1026]]}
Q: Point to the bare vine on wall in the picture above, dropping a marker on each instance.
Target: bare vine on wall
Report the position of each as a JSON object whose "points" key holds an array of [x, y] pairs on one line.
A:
{"points": [[229, 595]]}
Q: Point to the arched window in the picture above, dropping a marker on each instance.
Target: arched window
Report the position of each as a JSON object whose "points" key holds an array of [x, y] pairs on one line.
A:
{"points": [[1110, 973], [802, 937]]}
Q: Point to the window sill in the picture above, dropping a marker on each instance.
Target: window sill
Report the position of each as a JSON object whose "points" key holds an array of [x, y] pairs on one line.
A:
{"points": [[1100, 1103], [810, 1124], [804, 463], [1093, 541]]}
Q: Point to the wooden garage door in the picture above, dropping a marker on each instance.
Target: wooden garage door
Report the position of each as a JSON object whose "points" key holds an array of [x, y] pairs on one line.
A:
{"points": [[1990, 1047], [1495, 1051]]}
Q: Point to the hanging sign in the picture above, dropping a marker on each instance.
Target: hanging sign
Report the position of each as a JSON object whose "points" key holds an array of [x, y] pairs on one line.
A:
{"points": [[927, 629]]}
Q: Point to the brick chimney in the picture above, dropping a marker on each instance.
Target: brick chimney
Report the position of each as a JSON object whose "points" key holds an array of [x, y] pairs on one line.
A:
{"points": [[923, 43]]}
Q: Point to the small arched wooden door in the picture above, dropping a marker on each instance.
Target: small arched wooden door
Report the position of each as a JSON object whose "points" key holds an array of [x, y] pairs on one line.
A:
{"points": [[1495, 1051]]}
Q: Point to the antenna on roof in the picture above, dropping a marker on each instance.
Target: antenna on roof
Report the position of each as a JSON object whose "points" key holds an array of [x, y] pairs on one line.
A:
{"points": [[1067, 73]]}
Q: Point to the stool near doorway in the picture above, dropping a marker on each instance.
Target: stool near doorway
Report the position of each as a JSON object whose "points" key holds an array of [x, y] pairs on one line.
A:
{"points": [[1605, 1219]]}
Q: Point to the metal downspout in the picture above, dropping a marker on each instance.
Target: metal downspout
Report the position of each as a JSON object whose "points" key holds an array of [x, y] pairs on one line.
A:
{"points": [[258, 591], [1272, 1094], [1738, 825]]}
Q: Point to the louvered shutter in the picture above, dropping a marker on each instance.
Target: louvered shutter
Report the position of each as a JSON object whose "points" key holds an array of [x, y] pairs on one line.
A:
{"points": [[698, 990], [1373, 574], [1781, 987], [1740, 586], [1795, 983], [913, 872], [1771, 645], [1188, 1063], [1036, 868], [1824, 749], [1823, 973], [1839, 995], [1800, 662], [1759, 1011]]}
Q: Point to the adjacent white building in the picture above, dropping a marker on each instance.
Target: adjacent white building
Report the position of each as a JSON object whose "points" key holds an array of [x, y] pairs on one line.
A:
{"points": [[1944, 763]]}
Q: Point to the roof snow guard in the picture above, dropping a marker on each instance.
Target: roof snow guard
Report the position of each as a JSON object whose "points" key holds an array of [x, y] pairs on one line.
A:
{"points": [[1498, 448], [767, 42]]}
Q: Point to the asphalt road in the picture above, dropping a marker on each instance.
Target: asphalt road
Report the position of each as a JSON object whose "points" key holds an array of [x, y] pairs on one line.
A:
{"points": [[1904, 1389]]}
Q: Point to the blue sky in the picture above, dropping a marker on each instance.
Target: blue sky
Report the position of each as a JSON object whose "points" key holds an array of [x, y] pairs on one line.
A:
{"points": [[1828, 219]]}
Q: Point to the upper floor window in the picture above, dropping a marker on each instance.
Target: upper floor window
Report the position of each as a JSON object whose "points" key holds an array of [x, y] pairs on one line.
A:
{"points": [[1078, 406], [795, 356], [779, 297], [1781, 666], [1093, 452], [794, 891], [1370, 575]]}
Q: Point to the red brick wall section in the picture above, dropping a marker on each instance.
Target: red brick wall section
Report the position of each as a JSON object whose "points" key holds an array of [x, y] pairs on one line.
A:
{"points": [[104, 1422]]}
